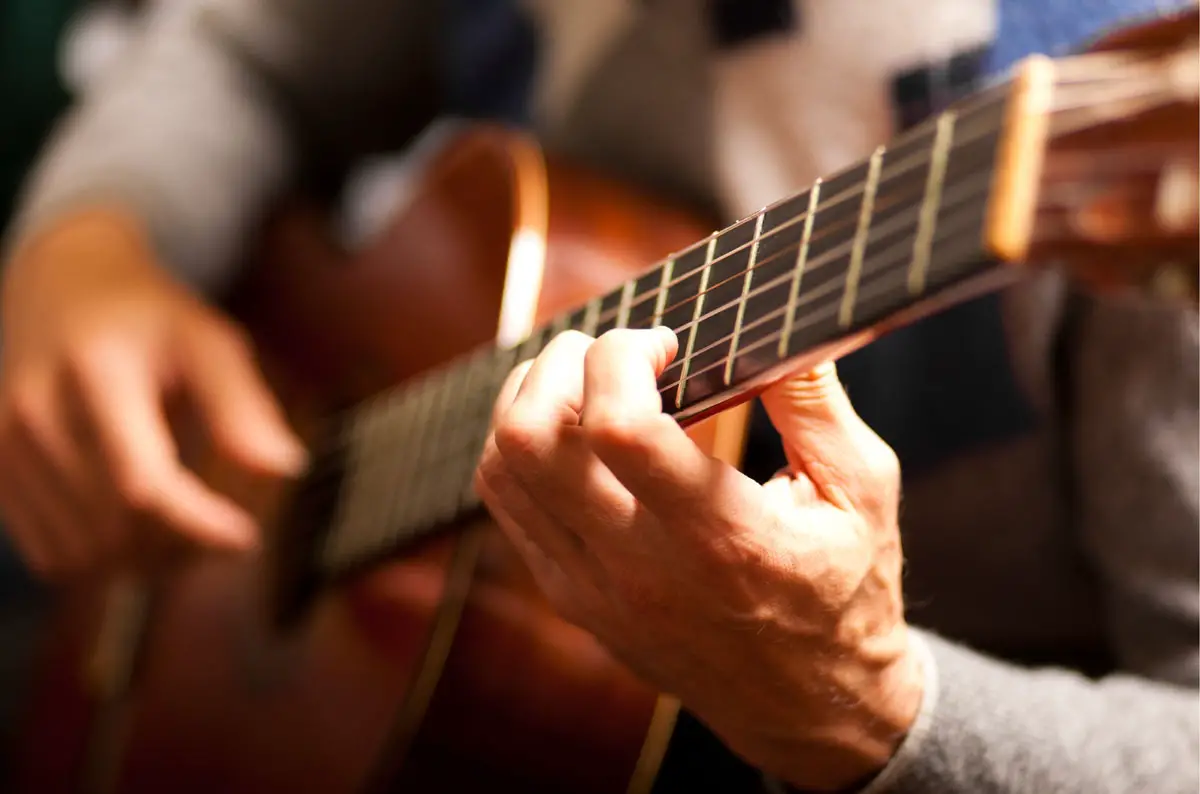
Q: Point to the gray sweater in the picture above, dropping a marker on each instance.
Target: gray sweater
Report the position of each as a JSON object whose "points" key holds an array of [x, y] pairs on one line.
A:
{"points": [[1053, 568]]}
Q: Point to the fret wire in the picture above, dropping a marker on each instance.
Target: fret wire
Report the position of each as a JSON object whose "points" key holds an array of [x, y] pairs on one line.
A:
{"points": [[887, 175], [661, 299], [407, 489], [708, 260], [624, 306], [427, 417], [405, 431], [892, 172], [349, 532], [475, 422], [828, 311], [561, 323], [450, 391], [419, 506], [854, 272], [829, 258], [827, 308], [741, 309], [870, 285], [336, 539], [978, 106], [592, 319], [980, 182], [923, 243], [371, 482], [472, 389], [798, 270]]}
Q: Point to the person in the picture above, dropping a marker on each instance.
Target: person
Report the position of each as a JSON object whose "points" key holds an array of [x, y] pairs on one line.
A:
{"points": [[1028, 621], [49, 53]]}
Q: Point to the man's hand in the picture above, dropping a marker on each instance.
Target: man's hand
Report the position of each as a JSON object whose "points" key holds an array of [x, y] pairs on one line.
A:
{"points": [[97, 340], [773, 612]]}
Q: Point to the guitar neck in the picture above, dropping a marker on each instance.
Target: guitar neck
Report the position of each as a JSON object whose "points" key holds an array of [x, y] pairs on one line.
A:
{"points": [[936, 217], [807, 277]]}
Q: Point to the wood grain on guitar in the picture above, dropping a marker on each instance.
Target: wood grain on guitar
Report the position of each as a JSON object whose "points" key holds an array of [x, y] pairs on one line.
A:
{"points": [[388, 637]]}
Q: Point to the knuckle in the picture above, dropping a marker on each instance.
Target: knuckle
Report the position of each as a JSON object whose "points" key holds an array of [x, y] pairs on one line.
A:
{"points": [[26, 405], [230, 335], [91, 359], [490, 478], [882, 463], [637, 594], [610, 344], [608, 428], [619, 337], [572, 338], [566, 603], [520, 436], [137, 490]]}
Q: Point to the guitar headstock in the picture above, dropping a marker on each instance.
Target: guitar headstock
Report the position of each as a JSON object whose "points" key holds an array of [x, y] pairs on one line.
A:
{"points": [[1099, 168]]}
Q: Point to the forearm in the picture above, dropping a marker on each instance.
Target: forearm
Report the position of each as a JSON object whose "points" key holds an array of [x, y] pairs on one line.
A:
{"points": [[181, 138], [204, 125], [988, 727]]}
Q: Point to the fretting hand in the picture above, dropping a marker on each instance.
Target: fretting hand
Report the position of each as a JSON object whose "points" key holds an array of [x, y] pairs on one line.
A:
{"points": [[774, 612]]}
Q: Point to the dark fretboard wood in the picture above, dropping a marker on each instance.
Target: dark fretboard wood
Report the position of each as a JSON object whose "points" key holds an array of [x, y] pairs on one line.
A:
{"points": [[858, 248]]}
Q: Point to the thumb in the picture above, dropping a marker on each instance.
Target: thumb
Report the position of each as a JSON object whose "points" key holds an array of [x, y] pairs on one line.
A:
{"points": [[825, 439], [238, 407]]}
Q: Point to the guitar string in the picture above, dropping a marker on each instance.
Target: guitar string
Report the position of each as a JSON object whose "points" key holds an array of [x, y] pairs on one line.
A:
{"points": [[965, 119], [1053, 198], [807, 301], [892, 259], [837, 254], [355, 546], [984, 101], [834, 255], [812, 266], [891, 173], [820, 291], [869, 289], [776, 282], [898, 261], [967, 112]]}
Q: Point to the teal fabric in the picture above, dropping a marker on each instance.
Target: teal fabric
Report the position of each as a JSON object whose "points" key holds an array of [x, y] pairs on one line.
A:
{"points": [[31, 93], [32, 96]]}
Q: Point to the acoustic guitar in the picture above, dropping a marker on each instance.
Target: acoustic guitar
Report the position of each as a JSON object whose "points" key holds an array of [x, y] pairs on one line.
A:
{"points": [[387, 638]]}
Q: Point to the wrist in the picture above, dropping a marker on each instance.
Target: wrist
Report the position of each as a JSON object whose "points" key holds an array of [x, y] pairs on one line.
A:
{"points": [[871, 710], [92, 236], [80, 250]]}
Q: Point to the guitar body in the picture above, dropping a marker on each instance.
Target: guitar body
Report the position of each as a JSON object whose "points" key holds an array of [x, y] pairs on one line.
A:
{"points": [[443, 671]]}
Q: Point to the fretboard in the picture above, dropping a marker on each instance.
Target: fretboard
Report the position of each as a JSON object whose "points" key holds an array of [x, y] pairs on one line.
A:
{"points": [[900, 230]]}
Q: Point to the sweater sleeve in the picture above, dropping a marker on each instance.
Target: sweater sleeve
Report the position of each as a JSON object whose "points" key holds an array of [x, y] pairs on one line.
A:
{"points": [[218, 108], [987, 726]]}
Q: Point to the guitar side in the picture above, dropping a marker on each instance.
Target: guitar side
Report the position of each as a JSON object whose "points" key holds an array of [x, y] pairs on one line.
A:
{"points": [[445, 670]]}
